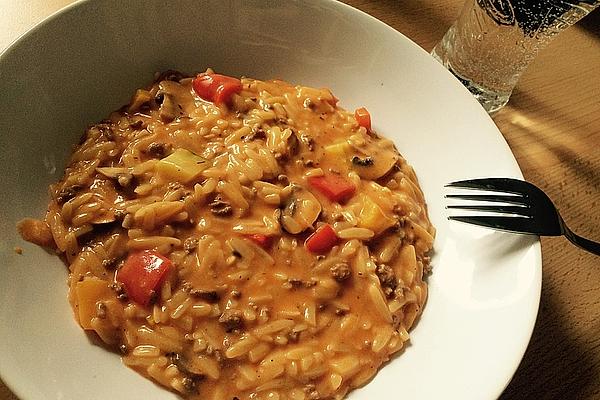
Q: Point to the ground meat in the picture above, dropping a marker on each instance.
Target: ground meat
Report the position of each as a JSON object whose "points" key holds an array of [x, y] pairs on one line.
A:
{"points": [[110, 263], [154, 296], [190, 244], [298, 283], [120, 214], [308, 142], [293, 336], [314, 395], [210, 296], [220, 207], [102, 130], [283, 179], [426, 265], [231, 320], [68, 193], [191, 378], [36, 231], [295, 282], [340, 272], [387, 278], [119, 289], [220, 358], [157, 150], [311, 392], [402, 220], [257, 133], [190, 383], [293, 144], [386, 275], [106, 131], [292, 147], [137, 124], [398, 292]]}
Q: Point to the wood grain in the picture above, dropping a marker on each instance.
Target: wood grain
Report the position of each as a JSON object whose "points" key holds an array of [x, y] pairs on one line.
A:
{"points": [[552, 125]]}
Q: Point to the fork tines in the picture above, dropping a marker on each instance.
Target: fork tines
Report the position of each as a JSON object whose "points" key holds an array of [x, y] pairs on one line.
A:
{"points": [[518, 200], [521, 207], [513, 207], [505, 185]]}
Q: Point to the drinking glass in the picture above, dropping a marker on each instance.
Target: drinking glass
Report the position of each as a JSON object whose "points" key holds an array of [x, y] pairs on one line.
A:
{"points": [[492, 42]]}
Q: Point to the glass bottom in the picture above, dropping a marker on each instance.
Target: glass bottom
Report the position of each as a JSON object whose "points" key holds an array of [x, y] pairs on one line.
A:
{"points": [[490, 100]]}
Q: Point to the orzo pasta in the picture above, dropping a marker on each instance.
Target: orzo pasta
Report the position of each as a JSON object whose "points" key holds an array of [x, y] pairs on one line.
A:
{"points": [[241, 239]]}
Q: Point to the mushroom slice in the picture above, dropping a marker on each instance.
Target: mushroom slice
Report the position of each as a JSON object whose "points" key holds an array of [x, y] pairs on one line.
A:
{"points": [[121, 175], [140, 98], [168, 108], [378, 160], [113, 172], [176, 101], [106, 217], [283, 143], [186, 366], [300, 211]]}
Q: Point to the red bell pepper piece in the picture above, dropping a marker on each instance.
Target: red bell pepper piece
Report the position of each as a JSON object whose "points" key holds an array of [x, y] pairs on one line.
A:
{"points": [[263, 241], [322, 240], [334, 187], [363, 118], [216, 88], [142, 275]]}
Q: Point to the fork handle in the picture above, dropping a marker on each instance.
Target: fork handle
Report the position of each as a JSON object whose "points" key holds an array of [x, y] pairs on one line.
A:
{"points": [[586, 244]]}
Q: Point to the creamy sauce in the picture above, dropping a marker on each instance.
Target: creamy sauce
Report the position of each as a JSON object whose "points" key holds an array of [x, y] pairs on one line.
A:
{"points": [[234, 320]]}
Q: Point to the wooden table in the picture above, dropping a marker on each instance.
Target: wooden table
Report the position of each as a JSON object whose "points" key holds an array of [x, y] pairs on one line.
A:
{"points": [[552, 125]]}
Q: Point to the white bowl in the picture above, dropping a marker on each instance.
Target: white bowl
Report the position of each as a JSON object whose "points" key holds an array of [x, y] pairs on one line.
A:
{"points": [[82, 63]]}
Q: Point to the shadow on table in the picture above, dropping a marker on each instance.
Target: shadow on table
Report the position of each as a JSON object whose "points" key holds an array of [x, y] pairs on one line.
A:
{"points": [[579, 172], [561, 360], [556, 364]]}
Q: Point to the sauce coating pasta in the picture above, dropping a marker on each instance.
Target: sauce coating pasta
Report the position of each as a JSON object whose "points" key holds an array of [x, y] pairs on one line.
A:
{"points": [[250, 242]]}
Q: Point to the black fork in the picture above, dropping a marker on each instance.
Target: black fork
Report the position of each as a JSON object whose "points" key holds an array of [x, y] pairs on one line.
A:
{"points": [[524, 208]]}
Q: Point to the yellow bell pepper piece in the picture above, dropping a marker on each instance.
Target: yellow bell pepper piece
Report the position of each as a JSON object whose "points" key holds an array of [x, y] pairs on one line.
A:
{"points": [[338, 151], [182, 165], [88, 292], [372, 217]]}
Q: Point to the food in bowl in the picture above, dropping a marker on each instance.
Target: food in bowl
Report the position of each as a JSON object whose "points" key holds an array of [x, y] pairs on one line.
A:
{"points": [[241, 239]]}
